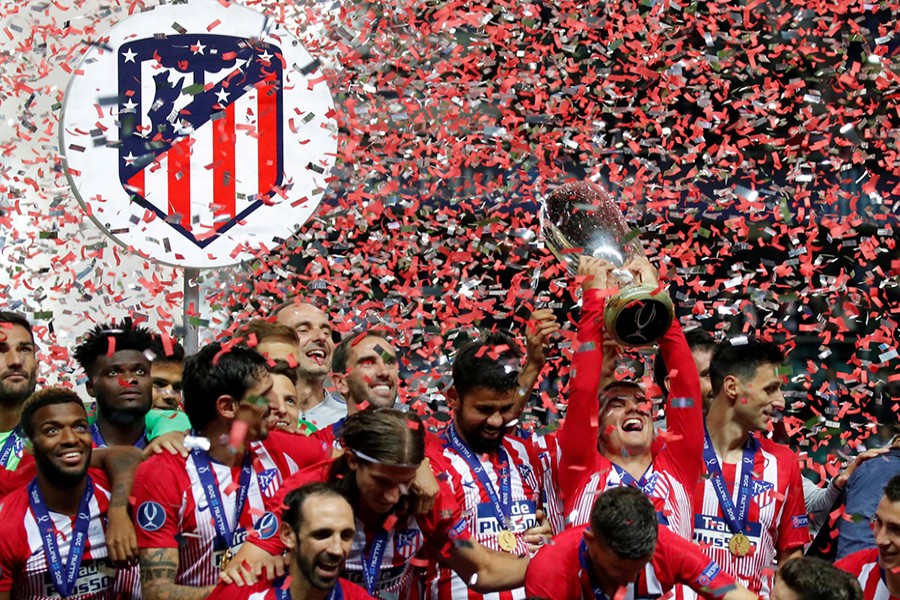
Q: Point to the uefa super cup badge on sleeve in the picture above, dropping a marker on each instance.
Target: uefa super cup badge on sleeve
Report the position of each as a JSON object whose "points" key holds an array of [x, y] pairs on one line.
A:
{"points": [[582, 219]]}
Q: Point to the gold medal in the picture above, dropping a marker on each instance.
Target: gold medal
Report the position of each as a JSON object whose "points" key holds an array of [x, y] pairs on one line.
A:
{"points": [[507, 540], [739, 544], [226, 558]]}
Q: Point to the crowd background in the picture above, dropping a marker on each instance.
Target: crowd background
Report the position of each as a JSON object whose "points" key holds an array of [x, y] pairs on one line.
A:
{"points": [[753, 145]]}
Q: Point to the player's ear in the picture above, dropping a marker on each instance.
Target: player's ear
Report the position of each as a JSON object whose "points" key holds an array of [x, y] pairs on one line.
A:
{"points": [[340, 383], [287, 535], [731, 385], [226, 406], [453, 397]]}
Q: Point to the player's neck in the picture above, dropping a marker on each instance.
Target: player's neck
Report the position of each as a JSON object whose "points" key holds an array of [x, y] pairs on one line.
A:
{"points": [[302, 589], [635, 464], [220, 450], [60, 499], [727, 435], [9, 416], [117, 434], [310, 392]]}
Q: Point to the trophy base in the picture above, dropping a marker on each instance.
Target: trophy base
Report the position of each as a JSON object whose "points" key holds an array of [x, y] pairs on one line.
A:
{"points": [[637, 317]]}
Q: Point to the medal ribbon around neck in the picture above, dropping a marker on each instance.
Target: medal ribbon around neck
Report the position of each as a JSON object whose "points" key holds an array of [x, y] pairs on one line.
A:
{"points": [[214, 497], [64, 578], [501, 504], [736, 517]]}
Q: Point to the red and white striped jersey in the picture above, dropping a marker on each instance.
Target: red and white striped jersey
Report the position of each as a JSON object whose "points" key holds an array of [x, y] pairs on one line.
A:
{"points": [[23, 565], [864, 566], [550, 456], [526, 475], [267, 590], [777, 519], [677, 458], [171, 509]]}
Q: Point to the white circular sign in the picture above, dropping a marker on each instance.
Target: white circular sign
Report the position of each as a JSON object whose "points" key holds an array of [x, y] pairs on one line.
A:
{"points": [[198, 134]]}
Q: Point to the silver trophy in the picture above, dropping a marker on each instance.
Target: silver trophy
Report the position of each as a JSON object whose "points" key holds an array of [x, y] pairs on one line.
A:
{"points": [[582, 219]]}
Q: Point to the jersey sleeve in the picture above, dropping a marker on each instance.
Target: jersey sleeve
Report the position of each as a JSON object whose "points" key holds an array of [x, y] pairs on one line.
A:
{"points": [[158, 494], [793, 528], [678, 561], [444, 525], [159, 422], [11, 558], [578, 434], [684, 407], [224, 591], [12, 480], [299, 450], [553, 572]]}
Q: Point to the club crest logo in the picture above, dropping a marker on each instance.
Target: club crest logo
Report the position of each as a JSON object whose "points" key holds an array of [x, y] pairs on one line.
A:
{"points": [[205, 139]]}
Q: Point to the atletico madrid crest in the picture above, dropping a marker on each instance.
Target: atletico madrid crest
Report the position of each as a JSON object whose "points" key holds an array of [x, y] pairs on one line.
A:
{"points": [[219, 139]]}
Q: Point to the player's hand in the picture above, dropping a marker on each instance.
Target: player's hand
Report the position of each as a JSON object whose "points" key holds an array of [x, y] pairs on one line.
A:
{"points": [[538, 535], [841, 480], [426, 488], [644, 272], [540, 326], [597, 273], [171, 442], [121, 540], [251, 564]]}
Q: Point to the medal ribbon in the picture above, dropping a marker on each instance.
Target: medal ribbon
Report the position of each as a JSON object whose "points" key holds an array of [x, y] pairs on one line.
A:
{"points": [[284, 593], [214, 498], [586, 569], [648, 486], [101, 443], [372, 562], [500, 504], [13, 445], [63, 578], [736, 517]]}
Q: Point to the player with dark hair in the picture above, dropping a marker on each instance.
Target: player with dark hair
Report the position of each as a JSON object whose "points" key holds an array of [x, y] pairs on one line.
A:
{"points": [[193, 512], [365, 369], [702, 346], [18, 379], [52, 532], [384, 449], [275, 341], [318, 407], [749, 503], [808, 578], [624, 553], [495, 477], [114, 358], [878, 569], [318, 528], [617, 445]]}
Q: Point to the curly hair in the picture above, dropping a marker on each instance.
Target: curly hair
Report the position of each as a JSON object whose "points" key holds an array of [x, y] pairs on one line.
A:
{"points": [[100, 340]]}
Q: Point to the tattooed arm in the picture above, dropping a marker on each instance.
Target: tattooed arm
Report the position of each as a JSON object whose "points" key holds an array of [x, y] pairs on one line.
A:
{"points": [[158, 569]]}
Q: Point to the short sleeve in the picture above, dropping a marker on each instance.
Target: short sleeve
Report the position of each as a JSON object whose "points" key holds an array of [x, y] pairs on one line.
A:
{"points": [[553, 572], [444, 525], [299, 450], [793, 529], [158, 493], [12, 534], [678, 561]]}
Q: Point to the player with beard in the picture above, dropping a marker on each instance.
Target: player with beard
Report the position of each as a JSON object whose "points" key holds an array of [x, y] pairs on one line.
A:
{"points": [[494, 477], [118, 370], [52, 540], [318, 528], [18, 378], [193, 512], [318, 407]]}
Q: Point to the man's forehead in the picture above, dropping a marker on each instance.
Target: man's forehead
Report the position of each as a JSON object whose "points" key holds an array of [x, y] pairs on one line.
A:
{"points": [[887, 511], [14, 333], [372, 344], [300, 313], [123, 357]]}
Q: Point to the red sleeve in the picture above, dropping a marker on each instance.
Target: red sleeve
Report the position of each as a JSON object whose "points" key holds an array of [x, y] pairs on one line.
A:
{"points": [[677, 560], [304, 451], [854, 563], [12, 536], [13, 480], [684, 407], [553, 572], [793, 528], [577, 437], [444, 525], [159, 489], [275, 504], [353, 591], [224, 591]]}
